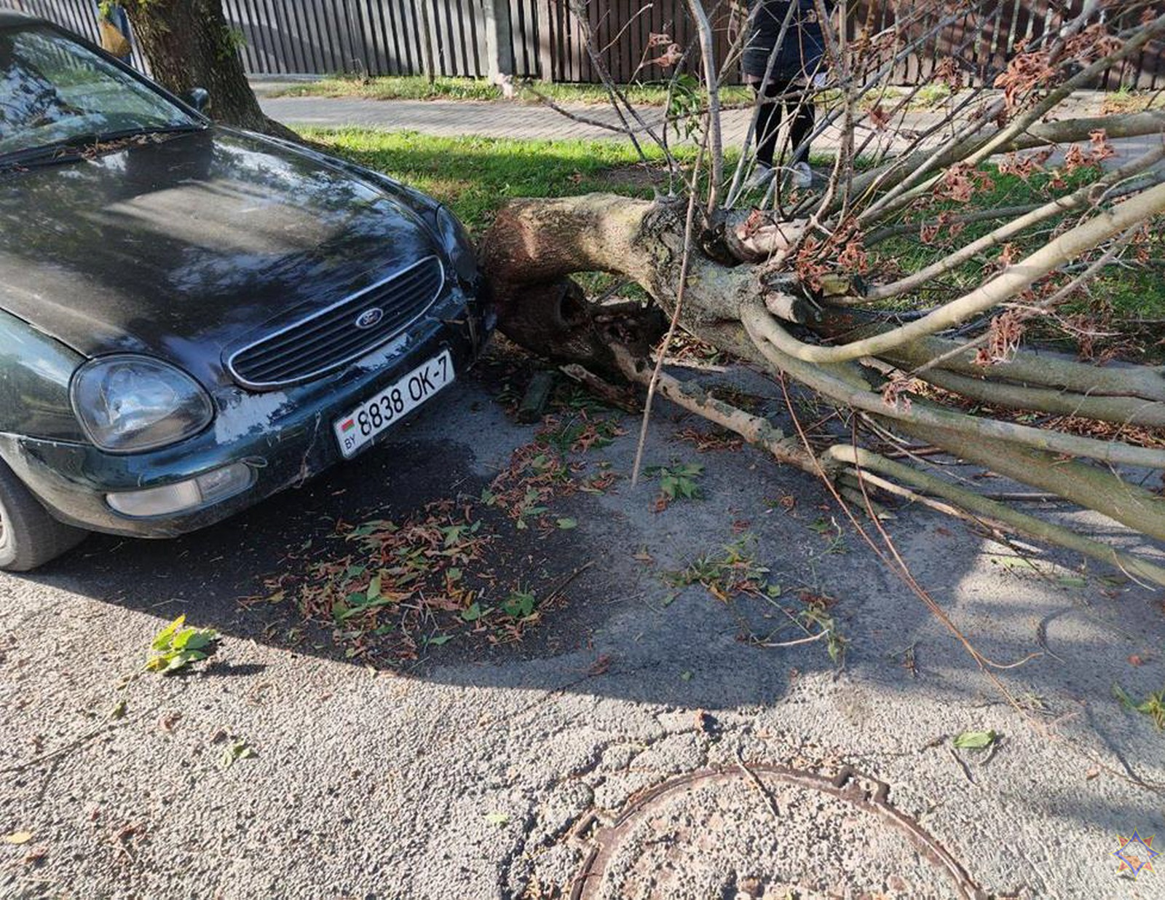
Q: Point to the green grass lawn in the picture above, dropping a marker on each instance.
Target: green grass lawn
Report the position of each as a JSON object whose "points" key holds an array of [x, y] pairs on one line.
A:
{"points": [[476, 175]]}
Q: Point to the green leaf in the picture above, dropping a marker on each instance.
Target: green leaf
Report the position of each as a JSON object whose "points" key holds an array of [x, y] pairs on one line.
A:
{"points": [[235, 751], [373, 588], [162, 639], [369, 528], [439, 640], [975, 740], [566, 524], [118, 711], [519, 605], [497, 818], [200, 640], [472, 613], [686, 675], [176, 662]]}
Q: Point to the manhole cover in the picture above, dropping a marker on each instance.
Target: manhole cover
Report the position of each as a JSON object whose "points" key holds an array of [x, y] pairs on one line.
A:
{"points": [[767, 833]]}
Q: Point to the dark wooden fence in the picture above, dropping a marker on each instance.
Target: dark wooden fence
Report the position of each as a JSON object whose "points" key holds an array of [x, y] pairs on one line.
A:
{"points": [[447, 37]]}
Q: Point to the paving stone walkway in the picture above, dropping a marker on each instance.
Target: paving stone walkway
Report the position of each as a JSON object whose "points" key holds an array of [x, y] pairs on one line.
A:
{"points": [[456, 118]]}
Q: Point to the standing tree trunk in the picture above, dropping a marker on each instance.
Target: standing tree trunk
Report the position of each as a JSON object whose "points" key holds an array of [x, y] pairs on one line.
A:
{"points": [[190, 45]]}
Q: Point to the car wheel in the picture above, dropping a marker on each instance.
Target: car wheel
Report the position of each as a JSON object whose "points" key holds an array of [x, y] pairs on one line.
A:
{"points": [[29, 536]]}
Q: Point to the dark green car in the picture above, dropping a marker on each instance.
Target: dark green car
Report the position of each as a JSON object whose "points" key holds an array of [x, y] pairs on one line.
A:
{"points": [[193, 317]]}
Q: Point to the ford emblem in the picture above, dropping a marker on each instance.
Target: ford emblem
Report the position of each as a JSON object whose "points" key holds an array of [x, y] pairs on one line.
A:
{"points": [[369, 317]]}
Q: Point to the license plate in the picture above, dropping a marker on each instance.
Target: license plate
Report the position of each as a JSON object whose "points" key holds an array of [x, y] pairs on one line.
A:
{"points": [[377, 413]]}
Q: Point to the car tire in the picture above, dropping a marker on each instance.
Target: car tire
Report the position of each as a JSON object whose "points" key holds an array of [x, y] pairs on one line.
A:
{"points": [[29, 536]]}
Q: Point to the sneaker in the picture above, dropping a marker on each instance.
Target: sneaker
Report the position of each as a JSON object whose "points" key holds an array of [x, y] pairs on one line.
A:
{"points": [[801, 175], [759, 178]]}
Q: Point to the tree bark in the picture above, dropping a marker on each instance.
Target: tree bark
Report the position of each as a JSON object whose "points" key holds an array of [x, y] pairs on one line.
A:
{"points": [[190, 45], [535, 245]]}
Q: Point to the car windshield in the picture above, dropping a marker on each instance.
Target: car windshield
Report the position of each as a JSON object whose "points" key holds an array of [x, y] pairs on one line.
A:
{"points": [[53, 90]]}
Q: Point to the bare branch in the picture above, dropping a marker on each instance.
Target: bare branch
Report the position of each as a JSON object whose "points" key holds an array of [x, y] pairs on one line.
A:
{"points": [[1071, 203], [1015, 279], [976, 503], [769, 336], [712, 86]]}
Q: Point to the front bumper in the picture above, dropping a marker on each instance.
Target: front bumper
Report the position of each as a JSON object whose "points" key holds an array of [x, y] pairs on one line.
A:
{"points": [[284, 437]]}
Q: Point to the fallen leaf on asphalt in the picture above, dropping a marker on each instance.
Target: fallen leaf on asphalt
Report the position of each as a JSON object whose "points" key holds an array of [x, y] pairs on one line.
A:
{"points": [[497, 818], [1093, 772], [232, 754], [18, 837], [975, 740], [600, 665], [707, 723], [129, 831]]}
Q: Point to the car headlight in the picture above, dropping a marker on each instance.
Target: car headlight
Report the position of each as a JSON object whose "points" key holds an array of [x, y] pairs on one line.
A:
{"points": [[457, 244], [129, 403]]}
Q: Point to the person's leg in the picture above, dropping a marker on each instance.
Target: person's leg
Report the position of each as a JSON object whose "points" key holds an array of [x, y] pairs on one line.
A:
{"points": [[768, 121], [802, 115]]}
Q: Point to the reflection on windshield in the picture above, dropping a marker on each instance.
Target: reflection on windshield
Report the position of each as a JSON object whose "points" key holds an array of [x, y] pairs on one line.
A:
{"points": [[53, 89]]}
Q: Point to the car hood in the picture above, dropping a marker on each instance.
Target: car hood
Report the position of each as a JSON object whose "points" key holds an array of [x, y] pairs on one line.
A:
{"points": [[193, 244]]}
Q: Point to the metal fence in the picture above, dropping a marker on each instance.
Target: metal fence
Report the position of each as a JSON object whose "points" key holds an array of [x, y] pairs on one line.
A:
{"points": [[448, 37]]}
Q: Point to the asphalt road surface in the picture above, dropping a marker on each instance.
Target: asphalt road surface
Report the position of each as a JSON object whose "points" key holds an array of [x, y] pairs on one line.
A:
{"points": [[299, 762]]}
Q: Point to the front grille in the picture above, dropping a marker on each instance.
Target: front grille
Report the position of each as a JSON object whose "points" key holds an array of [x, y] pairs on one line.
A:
{"points": [[330, 338]]}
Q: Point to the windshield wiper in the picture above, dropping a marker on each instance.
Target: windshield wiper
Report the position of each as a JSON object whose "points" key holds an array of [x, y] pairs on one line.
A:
{"points": [[66, 149]]}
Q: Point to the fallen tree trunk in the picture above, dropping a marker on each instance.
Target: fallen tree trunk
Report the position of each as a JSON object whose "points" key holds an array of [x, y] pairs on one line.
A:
{"points": [[779, 286]]}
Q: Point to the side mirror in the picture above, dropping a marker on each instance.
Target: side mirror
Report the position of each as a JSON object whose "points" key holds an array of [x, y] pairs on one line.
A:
{"points": [[197, 97]]}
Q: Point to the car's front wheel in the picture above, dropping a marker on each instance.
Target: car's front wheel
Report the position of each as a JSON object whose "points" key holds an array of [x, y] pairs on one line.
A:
{"points": [[29, 536]]}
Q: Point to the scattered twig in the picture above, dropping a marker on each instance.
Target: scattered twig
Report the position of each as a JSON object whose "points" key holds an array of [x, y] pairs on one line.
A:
{"points": [[764, 791]]}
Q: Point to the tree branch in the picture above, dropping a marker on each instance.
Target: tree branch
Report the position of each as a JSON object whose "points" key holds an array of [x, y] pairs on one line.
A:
{"points": [[1017, 278], [1024, 524]]}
